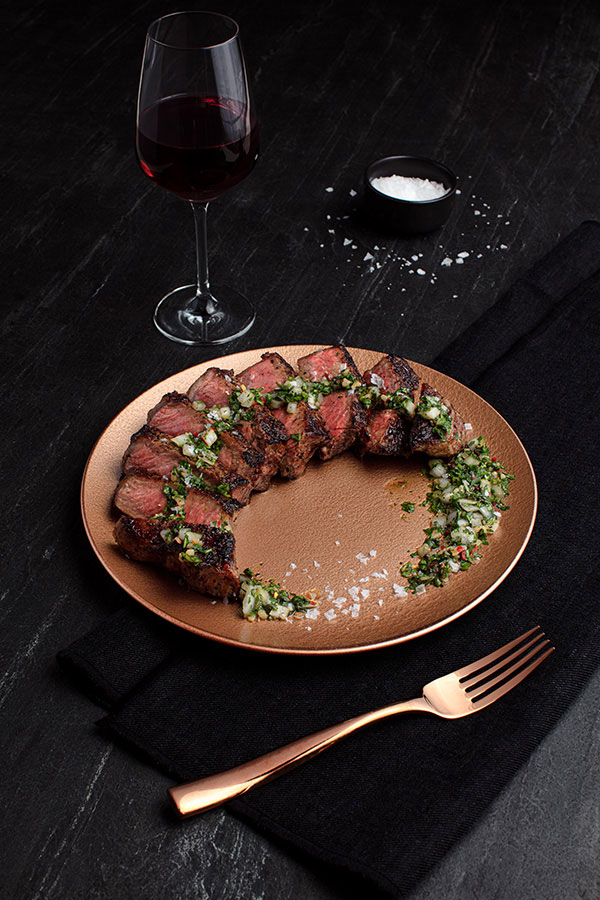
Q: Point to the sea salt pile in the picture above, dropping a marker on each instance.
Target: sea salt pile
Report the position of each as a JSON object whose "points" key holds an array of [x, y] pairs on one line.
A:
{"points": [[416, 189]]}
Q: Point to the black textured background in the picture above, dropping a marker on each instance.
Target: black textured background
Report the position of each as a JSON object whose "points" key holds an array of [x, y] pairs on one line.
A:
{"points": [[507, 95]]}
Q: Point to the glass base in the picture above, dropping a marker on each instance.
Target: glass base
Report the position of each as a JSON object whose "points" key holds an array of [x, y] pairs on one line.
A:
{"points": [[180, 316]]}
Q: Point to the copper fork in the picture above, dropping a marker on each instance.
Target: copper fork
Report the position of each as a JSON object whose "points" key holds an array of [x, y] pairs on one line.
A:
{"points": [[452, 696]]}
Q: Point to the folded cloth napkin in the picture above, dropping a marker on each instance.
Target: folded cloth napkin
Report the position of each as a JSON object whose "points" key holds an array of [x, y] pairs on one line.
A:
{"points": [[390, 801]]}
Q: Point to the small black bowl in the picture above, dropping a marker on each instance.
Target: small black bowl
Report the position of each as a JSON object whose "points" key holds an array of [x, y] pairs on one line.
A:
{"points": [[409, 216]]}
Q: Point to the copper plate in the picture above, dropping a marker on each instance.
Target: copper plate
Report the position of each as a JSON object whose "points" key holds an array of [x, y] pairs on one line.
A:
{"points": [[309, 534]]}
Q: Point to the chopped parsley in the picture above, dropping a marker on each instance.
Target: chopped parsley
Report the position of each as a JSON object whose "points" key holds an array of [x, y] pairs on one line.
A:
{"points": [[467, 500], [436, 413], [407, 506], [269, 600]]}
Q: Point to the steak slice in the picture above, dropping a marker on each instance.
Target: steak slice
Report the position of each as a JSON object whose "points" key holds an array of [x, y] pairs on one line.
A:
{"points": [[325, 364], [304, 427], [154, 453], [388, 429], [386, 433], [215, 388], [175, 415], [341, 410], [142, 496], [436, 435], [345, 420], [212, 573]]}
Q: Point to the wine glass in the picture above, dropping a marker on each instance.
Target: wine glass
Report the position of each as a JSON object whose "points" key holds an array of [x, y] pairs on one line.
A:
{"points": [[197, 136]]}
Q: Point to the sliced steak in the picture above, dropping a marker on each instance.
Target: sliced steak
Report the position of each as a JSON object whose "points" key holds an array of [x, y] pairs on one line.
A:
{"points": [[442, 435], [143, 496], [140, 496], [213, 388], [154, 453], [393, 373], [343, 415], [213, 573], [255, 423], [265, 375], [175, 415], [388, 429], [304, 427], [386, 434], [326, 364], [345, 420]]}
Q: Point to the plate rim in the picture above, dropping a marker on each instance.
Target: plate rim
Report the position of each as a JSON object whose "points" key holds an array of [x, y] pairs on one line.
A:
{"points": [[297, 651]]}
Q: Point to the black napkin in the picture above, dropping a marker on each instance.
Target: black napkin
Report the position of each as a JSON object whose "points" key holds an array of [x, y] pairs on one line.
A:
{"points": [[389, 802]]}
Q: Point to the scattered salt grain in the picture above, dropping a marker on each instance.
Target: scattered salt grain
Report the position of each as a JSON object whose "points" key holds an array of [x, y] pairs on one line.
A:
{"points": [[399, 590], [413, 189], [463, 254], [308, 628], [347, 241], [330, 614], [447, 261], [372, 552], [368, 256], [312, 613], [354, 610], [503, 247], [352, 192], [329, 190], [362, 558], [365, 592], [292, 565], [468, 426], [376, 618], [337, 543], [420, 589], [316, 564]]}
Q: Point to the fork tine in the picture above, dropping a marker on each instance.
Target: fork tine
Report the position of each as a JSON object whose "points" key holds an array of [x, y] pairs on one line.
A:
{"points": [[483, 683], [481, 702], [492, 657], [469, 683]]}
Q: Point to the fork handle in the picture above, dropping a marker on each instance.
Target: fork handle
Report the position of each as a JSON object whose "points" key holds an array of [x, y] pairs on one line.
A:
{"points": [[206, 793]]}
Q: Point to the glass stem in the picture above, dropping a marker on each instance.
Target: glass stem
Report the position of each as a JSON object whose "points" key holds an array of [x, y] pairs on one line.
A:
{"points": [[203, 293]]}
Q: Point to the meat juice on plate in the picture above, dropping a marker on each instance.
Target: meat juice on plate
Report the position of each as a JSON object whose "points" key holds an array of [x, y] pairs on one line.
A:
{"points": [[197, 147]]}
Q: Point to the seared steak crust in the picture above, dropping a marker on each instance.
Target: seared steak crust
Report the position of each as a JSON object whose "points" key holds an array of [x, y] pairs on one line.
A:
{"points": [[250, 452], [259, 428], [214, 574], [327, 363], [151, 451], [424, 439], [393, 373], [386, 434], [154, 453], [214, 387], [345, 420], [142, 496], [305, 428], [175, 415], [268, 373]]}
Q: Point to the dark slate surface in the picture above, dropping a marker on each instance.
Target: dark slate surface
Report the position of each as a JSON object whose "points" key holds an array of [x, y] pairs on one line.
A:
{"points": [[507, 95]]}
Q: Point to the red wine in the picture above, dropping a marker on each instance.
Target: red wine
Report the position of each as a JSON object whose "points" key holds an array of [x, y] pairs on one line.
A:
{"points": [[196, 147]]}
